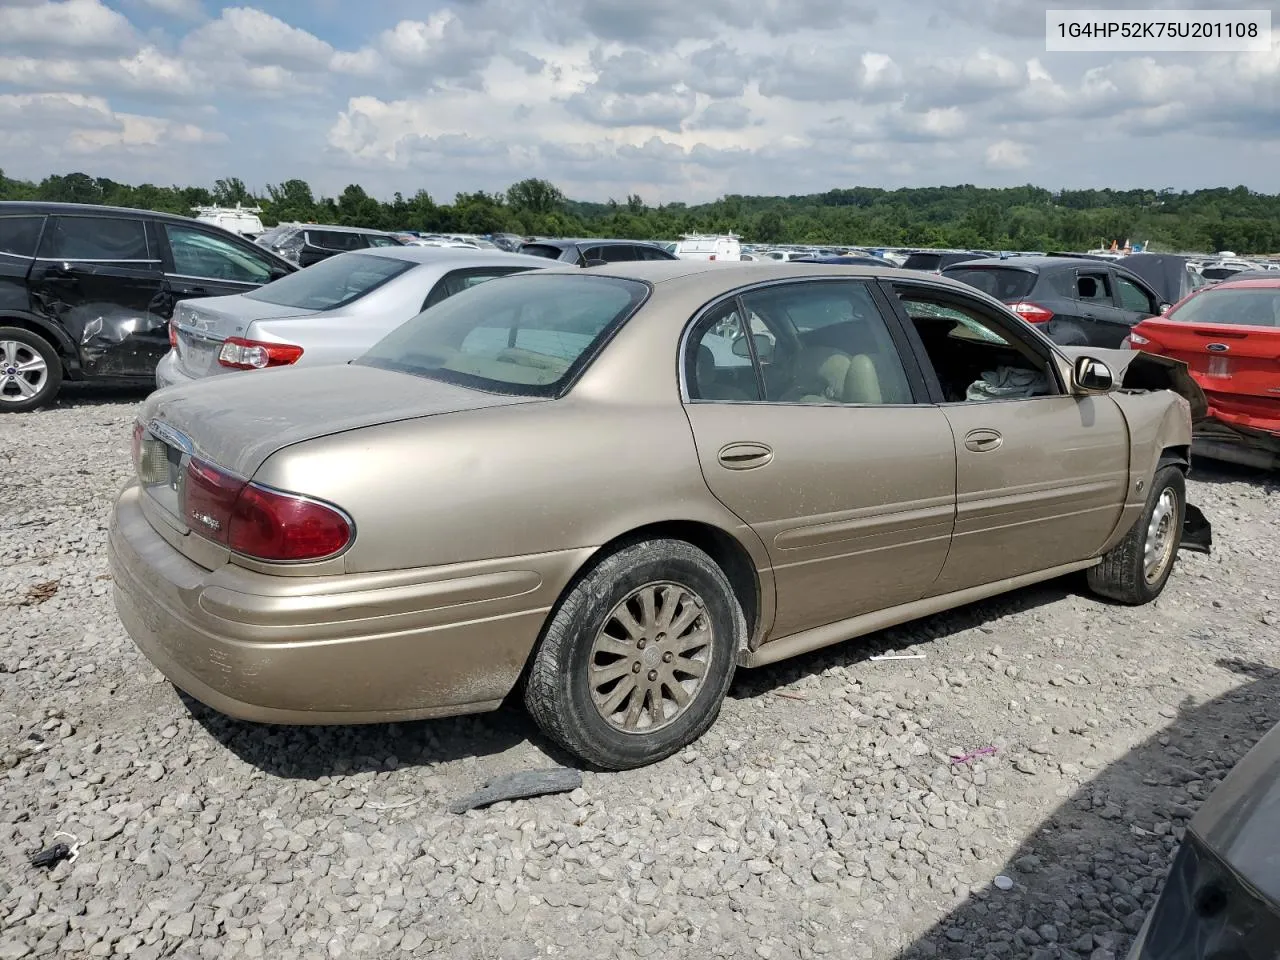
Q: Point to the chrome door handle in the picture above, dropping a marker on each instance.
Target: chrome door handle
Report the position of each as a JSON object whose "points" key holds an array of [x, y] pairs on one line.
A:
{"points": [[983, 440], [744, 455]]}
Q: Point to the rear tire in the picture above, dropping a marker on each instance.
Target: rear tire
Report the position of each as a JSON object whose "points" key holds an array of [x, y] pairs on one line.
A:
{"points": [[1136, 569], [30, 370], [638, 657]]}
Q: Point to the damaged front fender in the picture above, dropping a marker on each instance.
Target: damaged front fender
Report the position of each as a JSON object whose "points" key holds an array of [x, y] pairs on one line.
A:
{"points": [[1138, 370]]}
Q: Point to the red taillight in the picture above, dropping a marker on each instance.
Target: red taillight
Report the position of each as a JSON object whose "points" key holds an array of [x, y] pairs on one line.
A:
{"points": [[173, 335], [1031, 312], [241, 354], [209, 498], [270, 525], [259, 522], [1133, 341]]}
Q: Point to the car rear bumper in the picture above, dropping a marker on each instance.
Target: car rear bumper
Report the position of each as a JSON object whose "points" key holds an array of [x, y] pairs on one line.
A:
{"points": [[1221, 439], [168, 374], [359, 648]]}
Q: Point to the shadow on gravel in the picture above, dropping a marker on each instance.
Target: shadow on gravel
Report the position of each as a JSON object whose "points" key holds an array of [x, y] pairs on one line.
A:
{"points": [[1086, 878], [74, 395], [902, 638], [307, 753], [1220, 472]]}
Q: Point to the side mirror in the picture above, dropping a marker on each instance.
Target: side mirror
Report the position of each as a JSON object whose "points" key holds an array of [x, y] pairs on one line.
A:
{"points": [[1092, 376], [1165, 308], [763, 344]]}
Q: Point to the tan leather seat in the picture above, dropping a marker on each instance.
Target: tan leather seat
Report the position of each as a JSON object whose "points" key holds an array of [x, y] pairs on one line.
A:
{"points": [[819, 375]]}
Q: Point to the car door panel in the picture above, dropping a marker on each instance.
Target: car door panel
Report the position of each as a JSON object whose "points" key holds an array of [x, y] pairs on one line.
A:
{"points": [[96, 278], [1049, 492], [854, 504], [852, 490]]}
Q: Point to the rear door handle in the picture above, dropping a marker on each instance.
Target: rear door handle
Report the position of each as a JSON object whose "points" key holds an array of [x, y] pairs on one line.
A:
{"points": [[983, 440], [744, 455]]}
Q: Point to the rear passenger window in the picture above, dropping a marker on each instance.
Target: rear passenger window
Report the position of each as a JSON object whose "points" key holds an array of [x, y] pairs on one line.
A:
{"points": [[335, 240], [19, 235], [94, 238], [620, 253], [1092, 286]]}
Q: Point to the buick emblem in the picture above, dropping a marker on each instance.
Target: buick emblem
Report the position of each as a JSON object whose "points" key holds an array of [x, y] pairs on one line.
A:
{"points": [[1217, 347]]}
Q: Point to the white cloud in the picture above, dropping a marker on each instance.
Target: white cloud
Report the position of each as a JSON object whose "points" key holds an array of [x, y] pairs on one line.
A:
{"points": [[74, 24], [147, 71], [81, 124], [1007, 155], [258, 38]]}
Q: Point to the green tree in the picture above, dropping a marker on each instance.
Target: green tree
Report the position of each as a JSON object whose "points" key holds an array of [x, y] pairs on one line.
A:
{"points": [[535, 195]]}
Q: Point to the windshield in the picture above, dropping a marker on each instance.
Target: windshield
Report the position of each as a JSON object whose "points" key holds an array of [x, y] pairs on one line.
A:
{"points": [[1003, 283], [332, 283], [1243, 306], [922, 261], [541, 250], [523, 334]]}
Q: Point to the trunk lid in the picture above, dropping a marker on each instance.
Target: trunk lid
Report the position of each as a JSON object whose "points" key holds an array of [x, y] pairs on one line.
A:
{"points": [[202, 326], [1237, 365], [237, 422]]}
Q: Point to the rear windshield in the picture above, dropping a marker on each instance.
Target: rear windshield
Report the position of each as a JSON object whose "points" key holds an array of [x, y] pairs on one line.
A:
{"points": [[1246, 307], [524, 334], [332, 283], [541, 250], [336, 240], [922, 261], [1003, 283], [1218, 273]]}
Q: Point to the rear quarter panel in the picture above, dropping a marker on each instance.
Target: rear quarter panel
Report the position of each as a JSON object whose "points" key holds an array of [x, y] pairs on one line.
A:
{"points": [[529, 479]]}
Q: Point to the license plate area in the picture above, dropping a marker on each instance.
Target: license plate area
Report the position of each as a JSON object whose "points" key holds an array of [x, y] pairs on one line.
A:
{"points": [[162, 472], [1218, 367]]}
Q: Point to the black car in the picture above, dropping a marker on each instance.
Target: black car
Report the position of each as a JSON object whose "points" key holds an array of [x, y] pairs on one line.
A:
{"points": [[935, 261], [86, 292], [587, 253], [1074, 300], [1222, 896], [306, 243]]}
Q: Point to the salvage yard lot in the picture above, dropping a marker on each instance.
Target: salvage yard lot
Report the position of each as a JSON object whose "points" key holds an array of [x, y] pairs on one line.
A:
{"points": [[821, 816]]}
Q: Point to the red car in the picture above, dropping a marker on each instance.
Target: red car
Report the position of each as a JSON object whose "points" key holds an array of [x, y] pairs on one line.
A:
{"points": [[1228, 335]]}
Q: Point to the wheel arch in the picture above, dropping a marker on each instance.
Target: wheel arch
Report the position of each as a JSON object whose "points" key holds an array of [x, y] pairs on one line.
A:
{"points": [[55, 336], [752, 590]]}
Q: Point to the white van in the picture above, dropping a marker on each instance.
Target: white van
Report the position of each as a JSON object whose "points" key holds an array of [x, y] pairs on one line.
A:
{"points": [[237, 219], [709, 247]]}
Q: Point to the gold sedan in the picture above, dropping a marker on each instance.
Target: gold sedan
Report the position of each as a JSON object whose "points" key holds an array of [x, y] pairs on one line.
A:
{"points": [[621, 483]]}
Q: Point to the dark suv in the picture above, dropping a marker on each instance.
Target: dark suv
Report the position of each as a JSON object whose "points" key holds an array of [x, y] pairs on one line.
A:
{"points": [[86, 292], [587, 253], [1075, 301], [308, 243]]}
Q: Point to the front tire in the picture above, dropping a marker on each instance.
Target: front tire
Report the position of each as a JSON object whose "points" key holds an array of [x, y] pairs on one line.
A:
{"points": [[30, 370], [638, 657], [1135, 571]]}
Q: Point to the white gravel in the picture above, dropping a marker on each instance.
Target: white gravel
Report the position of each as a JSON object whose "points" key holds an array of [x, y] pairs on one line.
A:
{"points": [[822, 815]]}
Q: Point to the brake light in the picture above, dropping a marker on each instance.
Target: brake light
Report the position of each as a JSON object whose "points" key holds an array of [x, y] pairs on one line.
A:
{"points": [[1031, 312], [241, 354], [270, 525], [173, 334], [259, 522]]}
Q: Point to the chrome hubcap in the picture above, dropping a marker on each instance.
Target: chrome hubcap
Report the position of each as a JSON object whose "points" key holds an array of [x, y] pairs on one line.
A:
{"points": [[23, 372], [1162, 538], [650, 657]]}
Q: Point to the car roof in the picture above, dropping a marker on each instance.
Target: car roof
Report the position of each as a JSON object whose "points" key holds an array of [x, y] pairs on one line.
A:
{"points": [[1245, 283], [11, 207], [721, 276], [339, 228], [1031, 264], [450, 256], [565, 243]]}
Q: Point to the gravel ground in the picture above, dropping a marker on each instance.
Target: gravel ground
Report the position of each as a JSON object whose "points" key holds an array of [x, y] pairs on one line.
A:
{"points": [[822, 815]]}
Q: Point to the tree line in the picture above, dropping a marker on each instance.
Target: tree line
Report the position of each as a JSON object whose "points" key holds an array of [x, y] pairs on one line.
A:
{"points": [[963, 216]]}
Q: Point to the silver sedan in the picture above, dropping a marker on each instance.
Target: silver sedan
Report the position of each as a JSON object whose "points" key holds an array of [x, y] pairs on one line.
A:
{"points": [[328, 313]]}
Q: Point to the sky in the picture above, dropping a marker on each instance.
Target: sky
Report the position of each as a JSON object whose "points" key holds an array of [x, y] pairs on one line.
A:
{"points": [[674, 100]]}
